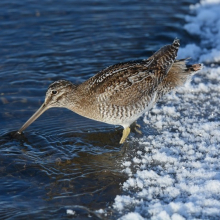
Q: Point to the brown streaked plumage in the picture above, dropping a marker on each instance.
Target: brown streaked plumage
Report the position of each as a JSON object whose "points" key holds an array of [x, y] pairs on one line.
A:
{"points": [[121, 93]]}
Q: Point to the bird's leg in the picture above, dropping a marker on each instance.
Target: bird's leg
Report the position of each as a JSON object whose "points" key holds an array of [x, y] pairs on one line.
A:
{"points": [[137, 128], [126, 132]]}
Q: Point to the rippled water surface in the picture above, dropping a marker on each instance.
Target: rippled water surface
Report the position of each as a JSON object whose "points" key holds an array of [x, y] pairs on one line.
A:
{"points": [[64, 161]]}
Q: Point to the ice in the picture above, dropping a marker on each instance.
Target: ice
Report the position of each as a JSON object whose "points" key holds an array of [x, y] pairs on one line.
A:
{"points": [[70, 212], [190, 50], [177, 171], [206, 25], [133, 216]]}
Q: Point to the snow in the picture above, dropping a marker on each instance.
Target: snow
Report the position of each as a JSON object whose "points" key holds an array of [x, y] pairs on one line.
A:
{"points": [[206, 25], [70, 212], [133, 216], [177, 173]]}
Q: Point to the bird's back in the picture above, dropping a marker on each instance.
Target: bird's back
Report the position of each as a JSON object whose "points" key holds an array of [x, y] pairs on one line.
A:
{"points": [[116, 82]]}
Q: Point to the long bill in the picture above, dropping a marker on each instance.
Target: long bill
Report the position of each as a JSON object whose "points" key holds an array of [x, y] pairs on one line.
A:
{"points": [[36, 115]]}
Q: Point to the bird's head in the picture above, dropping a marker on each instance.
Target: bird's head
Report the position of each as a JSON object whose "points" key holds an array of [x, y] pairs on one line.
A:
{"points": [[57, 95]]}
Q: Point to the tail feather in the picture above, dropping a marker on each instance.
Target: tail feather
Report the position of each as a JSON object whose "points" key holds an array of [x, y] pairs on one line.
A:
{"points": [[180, 72], [194, 68], [177, 76]]}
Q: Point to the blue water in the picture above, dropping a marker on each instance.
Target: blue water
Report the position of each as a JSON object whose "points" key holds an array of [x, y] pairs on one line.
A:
{"points": [[64, 161]]}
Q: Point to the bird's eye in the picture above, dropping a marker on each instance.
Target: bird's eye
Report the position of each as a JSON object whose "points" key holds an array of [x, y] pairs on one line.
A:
{"points": [[54, 92]]}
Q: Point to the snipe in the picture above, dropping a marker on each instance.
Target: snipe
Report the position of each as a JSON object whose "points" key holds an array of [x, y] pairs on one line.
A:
{"points": [[121, 93]]}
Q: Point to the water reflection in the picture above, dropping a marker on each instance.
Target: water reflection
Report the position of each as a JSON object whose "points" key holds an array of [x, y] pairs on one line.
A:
{"points": [[57, 171]]}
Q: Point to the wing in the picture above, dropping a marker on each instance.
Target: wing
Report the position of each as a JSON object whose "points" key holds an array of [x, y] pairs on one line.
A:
{"points": [[122, 84], [117, 72]]}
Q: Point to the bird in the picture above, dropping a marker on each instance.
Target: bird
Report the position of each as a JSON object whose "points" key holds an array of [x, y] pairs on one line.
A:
{"points": [[121, 93]]}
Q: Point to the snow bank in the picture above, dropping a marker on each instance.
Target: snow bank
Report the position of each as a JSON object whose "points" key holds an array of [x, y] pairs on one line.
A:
{"points": [[177, 173], [206, 25]]}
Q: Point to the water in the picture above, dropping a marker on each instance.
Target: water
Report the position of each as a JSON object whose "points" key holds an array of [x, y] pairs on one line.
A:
{"points": [[64, 161]]}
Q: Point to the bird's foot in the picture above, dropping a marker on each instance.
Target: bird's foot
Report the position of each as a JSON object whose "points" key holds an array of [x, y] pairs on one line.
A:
{"points": [[137, 128], [125, 134]]}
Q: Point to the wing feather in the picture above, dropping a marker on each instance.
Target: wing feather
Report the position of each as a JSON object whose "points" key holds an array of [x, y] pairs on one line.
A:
{"points": [[125, 83]]}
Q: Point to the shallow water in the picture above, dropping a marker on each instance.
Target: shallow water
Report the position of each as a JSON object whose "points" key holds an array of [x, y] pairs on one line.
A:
{"points": [[64, 161]]}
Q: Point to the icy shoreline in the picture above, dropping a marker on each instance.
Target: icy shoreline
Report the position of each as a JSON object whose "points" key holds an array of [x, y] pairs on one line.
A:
{"points": [[178, 170]]}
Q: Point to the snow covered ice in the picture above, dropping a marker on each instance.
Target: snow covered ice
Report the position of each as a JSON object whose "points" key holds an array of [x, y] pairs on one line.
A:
{"points": [[177, 175], [206, 25]]}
